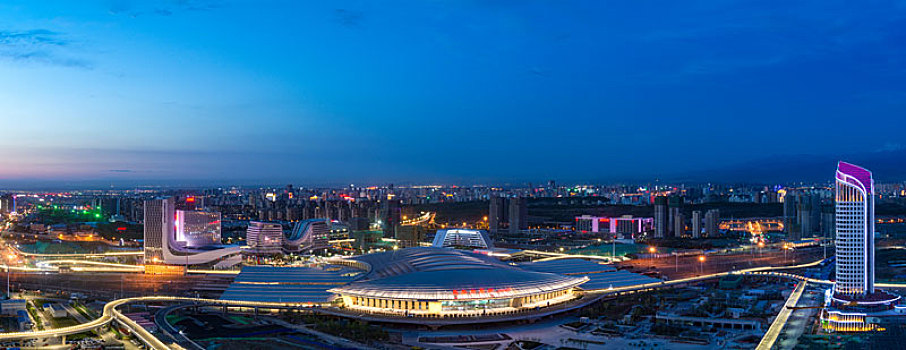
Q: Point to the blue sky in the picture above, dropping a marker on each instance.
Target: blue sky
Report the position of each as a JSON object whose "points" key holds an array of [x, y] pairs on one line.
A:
{"points": [[450, 91]]}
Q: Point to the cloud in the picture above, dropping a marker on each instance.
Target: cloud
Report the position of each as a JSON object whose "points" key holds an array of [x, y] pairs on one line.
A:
{"points": [[891, 147], [120, 171], [349, 18], [39, 46], [160, 8]]}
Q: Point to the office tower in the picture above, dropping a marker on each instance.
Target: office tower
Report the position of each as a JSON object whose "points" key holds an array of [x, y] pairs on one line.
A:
{"points": [[803, 222], [308, 212], [679, 225], [293, 213], [518, 214], [359, 224], [390, 216], [855, 217], [496, 214], [319, 212], [827, 221], [660, 217], [264, 237], [159, 226], [410, 235], [108, 206], [675, 209], [712, 222], [195, 228], [9, 204], [696, 224], [790, 204], [5, 204]]}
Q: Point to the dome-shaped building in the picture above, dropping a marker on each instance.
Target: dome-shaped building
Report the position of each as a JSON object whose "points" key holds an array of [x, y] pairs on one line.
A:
{"points": [[431, 281]]}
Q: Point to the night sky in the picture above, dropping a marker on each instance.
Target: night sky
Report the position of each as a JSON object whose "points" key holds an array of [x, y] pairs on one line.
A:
{"points": [[440, 91]]}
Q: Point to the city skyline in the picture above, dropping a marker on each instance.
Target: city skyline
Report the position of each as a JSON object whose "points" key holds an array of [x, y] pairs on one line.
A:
{"points": [[456, 92]]}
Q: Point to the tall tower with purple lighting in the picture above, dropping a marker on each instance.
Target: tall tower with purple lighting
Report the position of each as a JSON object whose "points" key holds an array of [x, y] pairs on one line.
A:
{"points": [[855, 224]]}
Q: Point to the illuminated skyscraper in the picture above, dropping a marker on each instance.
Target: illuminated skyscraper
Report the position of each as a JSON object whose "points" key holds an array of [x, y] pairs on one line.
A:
{"points": [[853, 304], [855, 217], [196, 228], [159, 226]]}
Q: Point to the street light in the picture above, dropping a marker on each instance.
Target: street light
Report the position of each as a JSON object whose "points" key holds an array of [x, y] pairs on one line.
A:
{"points": [[701, 263]]}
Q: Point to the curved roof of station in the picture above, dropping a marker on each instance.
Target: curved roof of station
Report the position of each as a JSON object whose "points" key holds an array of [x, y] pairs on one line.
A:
{"points": [[430, 273]]}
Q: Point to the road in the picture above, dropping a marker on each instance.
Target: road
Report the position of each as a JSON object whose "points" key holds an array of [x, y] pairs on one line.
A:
{"points": [[688, 266], [771, 336]]}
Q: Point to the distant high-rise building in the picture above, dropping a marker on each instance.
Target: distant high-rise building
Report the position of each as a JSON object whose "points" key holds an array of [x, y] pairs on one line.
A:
{"points": [[855, 216], [808, 215], [410, 235], [696, 224], [675, 210], [159, 226], [391, 215], [712, 222], [790, 206], [358, 223], [679, 225], [5, 203], [518, 214], [660, 217], [828, 226], [497, 212]]}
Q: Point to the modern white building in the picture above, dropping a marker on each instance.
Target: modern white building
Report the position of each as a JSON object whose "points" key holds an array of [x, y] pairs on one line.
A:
{"points": [[853, 304], [855, 217], [307, 234], [159, 216], [626, 225], [264, 237], [160, 241], [462, 238]]}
